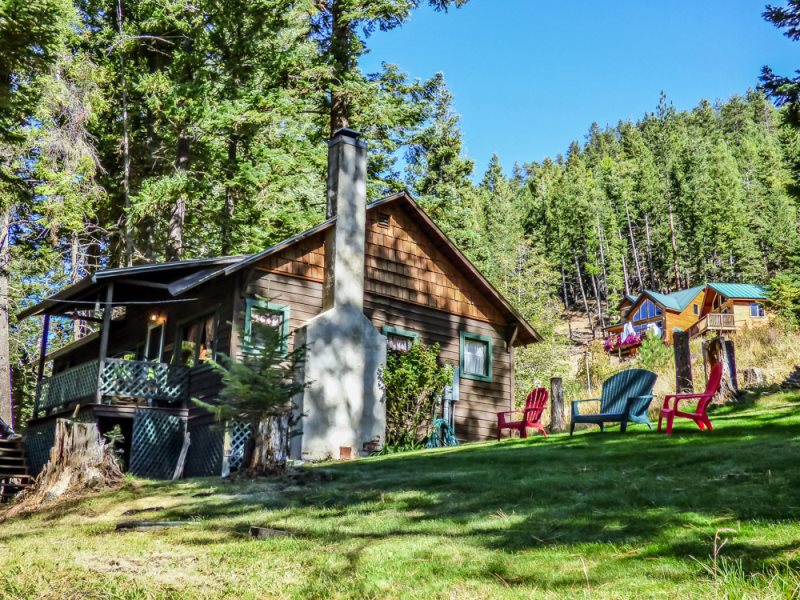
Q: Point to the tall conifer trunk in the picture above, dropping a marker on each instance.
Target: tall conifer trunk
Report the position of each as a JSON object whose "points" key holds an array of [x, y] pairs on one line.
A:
{"points": [[674, 241], [74, 276], [5, 351], [633, 247], [579, 277], [624, 264], [342, 64], [178, 216], [230, 198], [126, 233], [651, 271]]}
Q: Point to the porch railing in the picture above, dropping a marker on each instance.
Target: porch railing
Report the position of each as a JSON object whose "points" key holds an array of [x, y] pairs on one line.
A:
{"points": [[68, 386], [721, 321], [713, 322], [120, 379]]}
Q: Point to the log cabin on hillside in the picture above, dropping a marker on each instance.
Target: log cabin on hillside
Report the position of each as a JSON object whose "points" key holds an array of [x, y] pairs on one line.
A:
{"points": [[709, 308], [366, 278]]}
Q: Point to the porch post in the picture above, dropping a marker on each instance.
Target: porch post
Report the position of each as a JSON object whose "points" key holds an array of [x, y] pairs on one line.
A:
{"points": [[42, 357], [104, 332]]}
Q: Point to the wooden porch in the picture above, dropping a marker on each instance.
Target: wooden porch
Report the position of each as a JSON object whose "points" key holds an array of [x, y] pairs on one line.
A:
{"points": [[115, 381], [713, 322]]}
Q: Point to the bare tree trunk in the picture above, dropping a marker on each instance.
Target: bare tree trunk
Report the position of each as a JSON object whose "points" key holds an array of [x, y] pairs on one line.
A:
{"points": [[178, 216], [633, 247], [5, 351], [649, 251], [598, 304], [127, 234], [583, 292], [74, 277], [566, 301], [624, 266], [674, 241], [602, 244]]}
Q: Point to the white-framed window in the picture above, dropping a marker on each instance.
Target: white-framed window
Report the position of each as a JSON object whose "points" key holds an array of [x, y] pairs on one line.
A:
{"points": [[757, 310], [696, 309], [476, 356], [154, 343]]}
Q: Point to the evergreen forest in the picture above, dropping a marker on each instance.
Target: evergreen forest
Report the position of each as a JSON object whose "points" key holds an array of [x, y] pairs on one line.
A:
{"points": [[135, 131]]}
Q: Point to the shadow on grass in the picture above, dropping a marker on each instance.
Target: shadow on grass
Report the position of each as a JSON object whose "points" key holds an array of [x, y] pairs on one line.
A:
{"points": [[657, 497]]}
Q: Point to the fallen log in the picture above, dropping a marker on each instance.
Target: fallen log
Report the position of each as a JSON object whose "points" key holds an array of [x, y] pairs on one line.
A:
{"points": [[122, 525]]}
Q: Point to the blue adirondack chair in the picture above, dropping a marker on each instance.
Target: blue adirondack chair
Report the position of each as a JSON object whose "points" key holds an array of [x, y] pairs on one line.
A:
{"points": [[626, 397]]}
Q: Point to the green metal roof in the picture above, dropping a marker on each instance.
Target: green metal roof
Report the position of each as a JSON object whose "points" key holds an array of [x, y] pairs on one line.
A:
{"points": [[676, 300], [740, 291]]}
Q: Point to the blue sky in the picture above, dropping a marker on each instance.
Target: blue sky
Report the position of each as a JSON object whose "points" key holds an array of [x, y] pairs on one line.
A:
{"points": [[529, 76]]}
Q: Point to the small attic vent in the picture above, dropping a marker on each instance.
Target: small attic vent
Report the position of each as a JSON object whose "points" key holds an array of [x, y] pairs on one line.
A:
{"points": [[383, 219]]}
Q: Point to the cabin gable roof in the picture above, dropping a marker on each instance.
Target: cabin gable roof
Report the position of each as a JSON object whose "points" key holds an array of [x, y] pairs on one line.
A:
{"points": [[740, 291], [173, 279]]}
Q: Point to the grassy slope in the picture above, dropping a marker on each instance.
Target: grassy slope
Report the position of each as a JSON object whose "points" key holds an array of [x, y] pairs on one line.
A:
{"points": [[600, 514]]}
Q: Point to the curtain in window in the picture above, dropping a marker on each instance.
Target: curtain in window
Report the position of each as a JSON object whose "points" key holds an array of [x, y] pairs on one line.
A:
{"points": [[475, 357], [399, 343]]}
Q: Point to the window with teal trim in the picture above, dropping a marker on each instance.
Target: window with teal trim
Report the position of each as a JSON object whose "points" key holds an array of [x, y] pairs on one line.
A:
{"points": [[268, 314], [476, 356], [399, 340]]}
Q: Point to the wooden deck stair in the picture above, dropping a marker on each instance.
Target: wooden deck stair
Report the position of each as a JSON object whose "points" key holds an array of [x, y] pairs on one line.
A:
{"points": [[14, 473]]}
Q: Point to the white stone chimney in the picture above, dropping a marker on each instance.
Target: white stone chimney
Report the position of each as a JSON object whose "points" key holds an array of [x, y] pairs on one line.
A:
{"points": [[347, 201], [343, 406]]}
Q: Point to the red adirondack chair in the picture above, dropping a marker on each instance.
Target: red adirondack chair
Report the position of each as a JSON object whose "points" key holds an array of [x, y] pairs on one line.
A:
{"points": [[699, 416], [531, 415]]}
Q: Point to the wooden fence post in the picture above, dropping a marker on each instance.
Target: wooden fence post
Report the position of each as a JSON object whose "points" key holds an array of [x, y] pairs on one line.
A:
{"points": [[683, 362], [730, 355], [556, 405]]}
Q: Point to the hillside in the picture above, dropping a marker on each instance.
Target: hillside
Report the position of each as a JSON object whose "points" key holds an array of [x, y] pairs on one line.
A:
{"points": [[597, 515]]}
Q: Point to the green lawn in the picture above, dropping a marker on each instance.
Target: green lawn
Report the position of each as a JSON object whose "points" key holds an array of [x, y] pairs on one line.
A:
{"points": [[598, 515]]}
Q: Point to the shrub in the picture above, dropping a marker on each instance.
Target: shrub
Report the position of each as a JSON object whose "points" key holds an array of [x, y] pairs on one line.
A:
{"points": [[414, 380], [654, 354], [599, 364]]}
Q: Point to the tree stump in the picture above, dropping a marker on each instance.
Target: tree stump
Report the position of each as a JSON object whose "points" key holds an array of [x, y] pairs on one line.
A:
{"points": [[716, 349], [557, 405], [752, 377], [80, 460], [270, 446]]}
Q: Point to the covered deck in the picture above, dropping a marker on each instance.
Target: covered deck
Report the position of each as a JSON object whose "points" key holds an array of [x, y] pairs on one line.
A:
{"points": [[129, 359]]}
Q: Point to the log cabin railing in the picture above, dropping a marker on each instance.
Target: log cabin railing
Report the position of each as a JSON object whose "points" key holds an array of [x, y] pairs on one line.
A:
{"points": [[120, 379], [713, 322]]}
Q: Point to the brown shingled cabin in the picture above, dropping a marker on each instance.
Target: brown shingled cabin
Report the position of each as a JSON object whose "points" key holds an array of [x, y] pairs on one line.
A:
{"points": [[160, 323]]}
